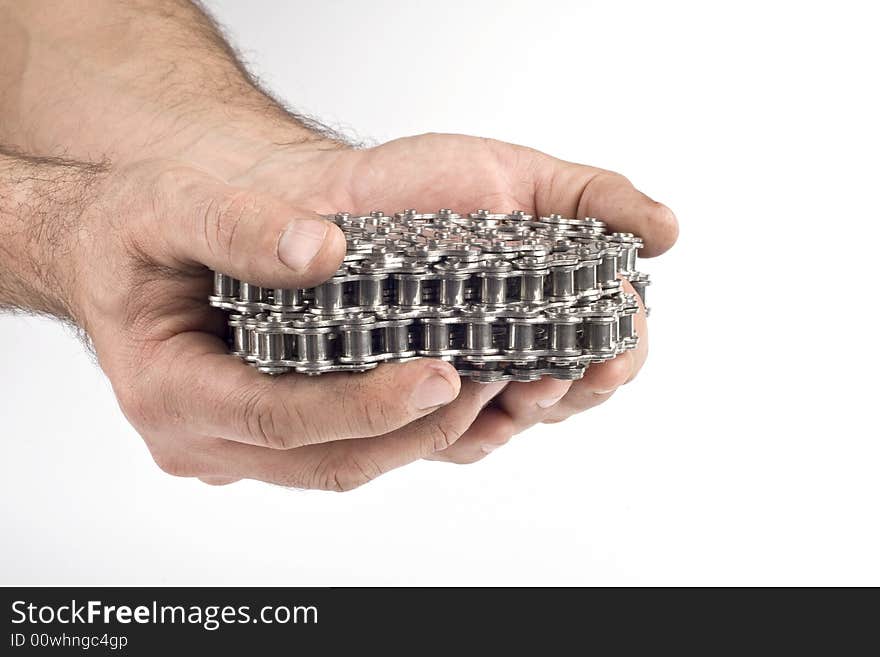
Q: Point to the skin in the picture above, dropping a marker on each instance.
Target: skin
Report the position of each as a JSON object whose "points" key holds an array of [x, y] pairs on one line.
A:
{"points": [[175, 164]]}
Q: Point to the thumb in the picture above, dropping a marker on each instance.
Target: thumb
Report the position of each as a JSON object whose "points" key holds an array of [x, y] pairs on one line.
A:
{"points": [[249, 235]]}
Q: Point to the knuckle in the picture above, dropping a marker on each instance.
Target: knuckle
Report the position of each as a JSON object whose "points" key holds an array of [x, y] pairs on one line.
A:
{"points": [[500, 435], [446, 433], [140, 409], [344, 470], [361, 408], [371, 412], [221, 221], [604, 182], [370, 419], [613, 373], [612, 178], [269, 420], [443, 429], [174, 463]]}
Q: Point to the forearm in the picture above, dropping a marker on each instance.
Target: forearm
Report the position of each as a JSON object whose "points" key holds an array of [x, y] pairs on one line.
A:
{"points": [[124, 80], [41, 201]]}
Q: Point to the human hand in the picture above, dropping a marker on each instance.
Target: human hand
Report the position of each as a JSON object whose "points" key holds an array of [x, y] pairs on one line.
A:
{"points": [[432, 171], [127, 260], [152, 99], [134, 278], [190, 400]]}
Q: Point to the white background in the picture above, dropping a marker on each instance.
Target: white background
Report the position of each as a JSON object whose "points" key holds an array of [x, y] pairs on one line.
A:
{"points": [[746, 452]]}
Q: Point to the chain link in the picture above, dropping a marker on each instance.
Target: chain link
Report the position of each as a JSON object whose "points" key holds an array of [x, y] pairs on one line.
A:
{"points": [[500, 296]]}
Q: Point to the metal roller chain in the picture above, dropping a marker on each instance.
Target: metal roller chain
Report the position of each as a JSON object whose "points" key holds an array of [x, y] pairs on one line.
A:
{"points": [[500, 296]]}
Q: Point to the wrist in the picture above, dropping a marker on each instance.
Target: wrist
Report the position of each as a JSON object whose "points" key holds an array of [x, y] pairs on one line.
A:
{"points": [[231, 143]]}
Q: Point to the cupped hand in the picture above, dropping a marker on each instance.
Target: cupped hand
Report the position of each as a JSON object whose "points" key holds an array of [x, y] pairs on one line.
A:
{"points": [[146, 247], [142, 250], [465, 173]]}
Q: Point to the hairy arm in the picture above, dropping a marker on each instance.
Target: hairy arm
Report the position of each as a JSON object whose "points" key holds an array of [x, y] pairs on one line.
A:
{"points": [[41, 201], [130, 79], [210, 171]]}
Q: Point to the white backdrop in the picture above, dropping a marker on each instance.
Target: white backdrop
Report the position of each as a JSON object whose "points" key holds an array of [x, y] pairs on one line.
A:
{"points": [[745, 453]]}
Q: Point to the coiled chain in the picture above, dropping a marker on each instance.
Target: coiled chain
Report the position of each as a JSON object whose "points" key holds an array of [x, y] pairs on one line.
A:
{"points": [[500, 296]]}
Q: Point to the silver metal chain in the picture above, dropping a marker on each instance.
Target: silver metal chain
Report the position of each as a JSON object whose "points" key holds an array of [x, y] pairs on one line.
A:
{"points": [[500, 296]]}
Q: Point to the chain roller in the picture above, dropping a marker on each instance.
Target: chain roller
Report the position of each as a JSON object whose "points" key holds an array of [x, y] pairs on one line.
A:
{"points": [[500, 296]]}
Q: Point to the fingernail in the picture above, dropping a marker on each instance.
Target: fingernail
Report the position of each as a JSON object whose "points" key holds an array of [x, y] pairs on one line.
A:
{"points": [[489, 390], [604, 392], [301, 241], [547, 403], [436, 390], [488, 449]]}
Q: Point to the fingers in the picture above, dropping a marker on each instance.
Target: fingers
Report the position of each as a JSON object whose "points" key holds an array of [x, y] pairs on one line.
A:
{"points": [[601, 380], [249, 235], [522, 405], [441, 170], [599, 383], [528, 403], [492, 429], [584, 191], [518, 407], [344, 465], [192, 378], [640, 354]]}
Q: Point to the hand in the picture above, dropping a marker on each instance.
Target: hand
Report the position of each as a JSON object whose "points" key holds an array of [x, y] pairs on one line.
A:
{"points": [[466, 173], [124, 254], [140, 286], [149, 99], [205, 414]]}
